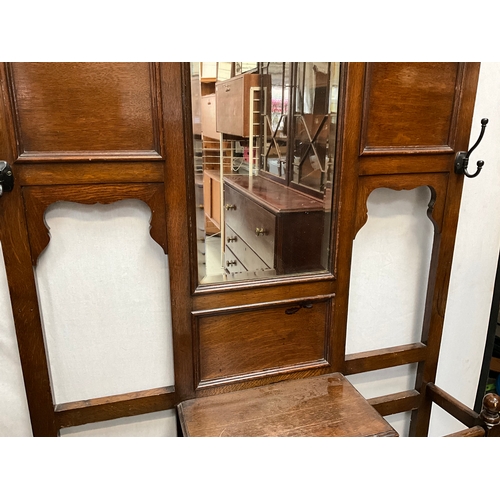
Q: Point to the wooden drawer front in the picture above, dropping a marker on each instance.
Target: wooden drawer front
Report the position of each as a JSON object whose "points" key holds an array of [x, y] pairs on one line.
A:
{"points": [[243, 252], [232, 264], [230, 107], [261, 340], [245, 217]]}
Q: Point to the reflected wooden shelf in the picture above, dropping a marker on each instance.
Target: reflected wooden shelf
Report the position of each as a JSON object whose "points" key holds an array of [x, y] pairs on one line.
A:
{"points": [[495, 364]]}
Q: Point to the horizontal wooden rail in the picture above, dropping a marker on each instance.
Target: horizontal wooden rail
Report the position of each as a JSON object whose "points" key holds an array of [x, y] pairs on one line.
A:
{"points": [[396, 403], [475, 431], [452, 406], [385, 358], [112, 407]]}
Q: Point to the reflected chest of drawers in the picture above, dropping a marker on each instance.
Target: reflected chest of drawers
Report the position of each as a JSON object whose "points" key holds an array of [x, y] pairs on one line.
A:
{"points": [[270, 226]]}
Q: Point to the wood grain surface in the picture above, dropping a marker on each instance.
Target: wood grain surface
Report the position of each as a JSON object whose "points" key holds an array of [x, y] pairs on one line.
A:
{"points": [[319, 406]]}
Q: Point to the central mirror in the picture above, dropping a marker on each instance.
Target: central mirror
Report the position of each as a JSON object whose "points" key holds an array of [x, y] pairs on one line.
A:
{"points": [[264, 137]]}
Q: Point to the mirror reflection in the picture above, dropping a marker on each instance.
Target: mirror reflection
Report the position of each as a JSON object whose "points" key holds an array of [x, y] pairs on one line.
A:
{"points": [[264, 148]]}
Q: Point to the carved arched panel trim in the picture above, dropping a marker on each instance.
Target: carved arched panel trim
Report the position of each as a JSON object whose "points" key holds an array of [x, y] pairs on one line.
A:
{"points": [[37, 199], [437, 183]]}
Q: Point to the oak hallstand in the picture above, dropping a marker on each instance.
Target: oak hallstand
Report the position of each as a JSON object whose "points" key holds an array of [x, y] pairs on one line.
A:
{"points": [[399, 126]]}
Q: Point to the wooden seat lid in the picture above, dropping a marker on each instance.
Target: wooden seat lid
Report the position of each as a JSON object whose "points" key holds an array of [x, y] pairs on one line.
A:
{"points": [[327, 406]]}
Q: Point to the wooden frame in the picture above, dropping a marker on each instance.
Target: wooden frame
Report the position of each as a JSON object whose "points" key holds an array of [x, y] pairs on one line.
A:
{"points": [[73, 178], [165, 180], [382, 166]]}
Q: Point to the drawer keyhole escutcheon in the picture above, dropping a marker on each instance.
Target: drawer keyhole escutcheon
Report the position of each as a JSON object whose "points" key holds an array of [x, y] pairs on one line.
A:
{"points": [[260, 231]]}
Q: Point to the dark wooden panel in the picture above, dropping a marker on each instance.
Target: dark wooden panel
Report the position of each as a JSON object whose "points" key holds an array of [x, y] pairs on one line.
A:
{"points": [[409, 106], [111, 407], [320, 406], [84, 110], [262, 339]]}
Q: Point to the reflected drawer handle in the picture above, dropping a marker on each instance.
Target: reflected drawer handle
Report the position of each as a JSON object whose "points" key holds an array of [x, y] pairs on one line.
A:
{"points": [[230, 263], [260, 231], [200, 206], [230, 207], [230, 239], [227, 88]]}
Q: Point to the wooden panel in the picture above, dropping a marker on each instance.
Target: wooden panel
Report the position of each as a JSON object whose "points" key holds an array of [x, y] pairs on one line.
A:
{"points": [[74, 110], [261, 339], [409, 106], [320, 406]]}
